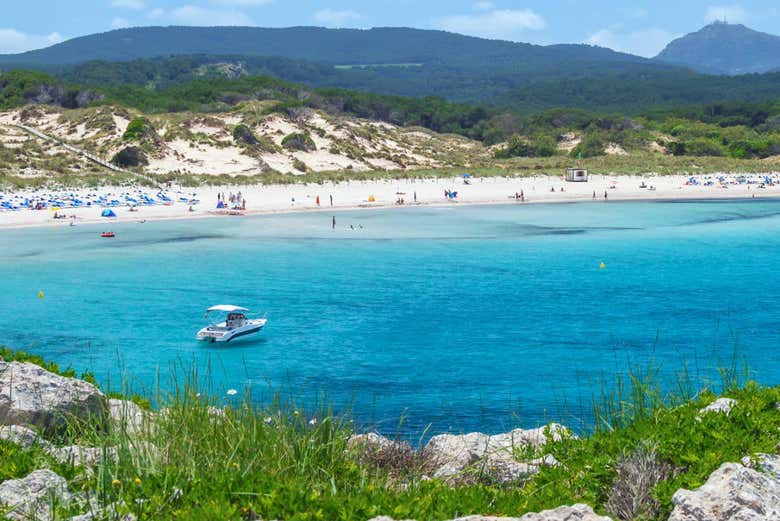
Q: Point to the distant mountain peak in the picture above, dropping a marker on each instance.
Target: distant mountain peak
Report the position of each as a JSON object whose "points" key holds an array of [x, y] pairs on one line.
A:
{"points": [[725, 48]]}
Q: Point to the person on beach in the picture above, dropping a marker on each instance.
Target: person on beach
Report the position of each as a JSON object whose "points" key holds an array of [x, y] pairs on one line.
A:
{"points": [[522, 196], [415, 196], [318, 200], [594, 194], [331, 199], [605, 195]]}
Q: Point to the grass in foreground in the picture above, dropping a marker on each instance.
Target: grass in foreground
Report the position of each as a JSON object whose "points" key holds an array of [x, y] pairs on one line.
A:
{"points": [[277, 462]]}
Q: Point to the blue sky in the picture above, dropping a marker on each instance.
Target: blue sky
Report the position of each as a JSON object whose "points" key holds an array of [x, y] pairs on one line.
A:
{"points": [[640, 27]]}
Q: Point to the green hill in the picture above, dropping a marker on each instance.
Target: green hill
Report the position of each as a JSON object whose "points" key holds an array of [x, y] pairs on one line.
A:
{"points": [[385, 45], [723, 48]]}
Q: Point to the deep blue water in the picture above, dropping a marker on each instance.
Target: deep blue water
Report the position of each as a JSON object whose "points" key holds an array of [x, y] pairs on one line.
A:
{"points": [[473, 318]]}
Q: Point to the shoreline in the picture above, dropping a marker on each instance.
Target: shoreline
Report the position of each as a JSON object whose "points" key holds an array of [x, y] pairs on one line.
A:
{"points": [[429, 193]]}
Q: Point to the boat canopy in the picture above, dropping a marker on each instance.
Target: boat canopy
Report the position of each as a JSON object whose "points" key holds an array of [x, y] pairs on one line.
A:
{"points": [[227, 308]]}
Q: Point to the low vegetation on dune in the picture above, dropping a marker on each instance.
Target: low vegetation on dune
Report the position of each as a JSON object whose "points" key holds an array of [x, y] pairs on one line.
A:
{"points": [[202, 457], [256, 129]]}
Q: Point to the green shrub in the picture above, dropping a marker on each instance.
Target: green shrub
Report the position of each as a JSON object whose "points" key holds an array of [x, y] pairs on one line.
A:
{"points": [[130, 157], [590, 146], [139, 129], [518, 146], [300, 141]]}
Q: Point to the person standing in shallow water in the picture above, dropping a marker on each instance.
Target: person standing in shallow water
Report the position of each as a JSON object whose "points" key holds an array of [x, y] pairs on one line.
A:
{"points": [[334, 223]]}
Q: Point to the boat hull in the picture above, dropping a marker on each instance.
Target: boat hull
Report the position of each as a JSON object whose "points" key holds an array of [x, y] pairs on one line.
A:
{"points": [[219, 334]]}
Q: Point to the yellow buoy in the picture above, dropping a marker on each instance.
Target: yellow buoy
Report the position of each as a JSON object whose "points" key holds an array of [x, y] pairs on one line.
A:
{"points": [[40, 294], [602, 265]]}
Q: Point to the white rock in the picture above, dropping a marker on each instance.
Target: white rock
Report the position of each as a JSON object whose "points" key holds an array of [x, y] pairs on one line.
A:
{"points": [[31, 497], [721, 405], [566, 513], [129, 416], [494, 455], [767, 463], [371, 440], [22, 436], [83, 456], [732, 492], [71, 454], [30, 395], [573, 513]]}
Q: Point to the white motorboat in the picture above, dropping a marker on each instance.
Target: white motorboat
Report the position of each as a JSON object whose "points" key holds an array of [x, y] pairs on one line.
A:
{"points": [[235, 325]]}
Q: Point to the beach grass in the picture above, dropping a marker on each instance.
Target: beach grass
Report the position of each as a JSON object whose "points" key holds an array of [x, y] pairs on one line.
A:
{"points": [[210, 457]]}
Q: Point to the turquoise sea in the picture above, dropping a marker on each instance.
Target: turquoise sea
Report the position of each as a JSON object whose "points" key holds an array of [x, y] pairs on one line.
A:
{"points": [[470, 318]]}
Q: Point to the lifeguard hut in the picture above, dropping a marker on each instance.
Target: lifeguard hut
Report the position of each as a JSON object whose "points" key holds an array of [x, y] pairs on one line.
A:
{"points": [[577, 175]]}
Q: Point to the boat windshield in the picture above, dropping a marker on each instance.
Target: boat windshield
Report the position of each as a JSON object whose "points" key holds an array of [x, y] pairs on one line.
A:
{"points": [[235, 320]]}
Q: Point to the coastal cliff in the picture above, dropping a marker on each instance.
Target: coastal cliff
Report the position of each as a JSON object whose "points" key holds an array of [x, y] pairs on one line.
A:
{"points": [[70, 451]]}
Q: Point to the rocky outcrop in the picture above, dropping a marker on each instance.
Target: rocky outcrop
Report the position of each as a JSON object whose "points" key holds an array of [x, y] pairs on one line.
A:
{"points": [[733, 492], [459, 458], [31, 497], [30, 395], [566, 513], [72, 454], [491, 455]]}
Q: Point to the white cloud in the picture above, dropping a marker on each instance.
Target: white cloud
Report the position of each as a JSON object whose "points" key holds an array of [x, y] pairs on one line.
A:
{"points": [[642, 42], [194, 15], [119, 23], [483, 6], [129, 4], [332, 17], [156, 14], [730, 13], [498, 23], [13, 41]]}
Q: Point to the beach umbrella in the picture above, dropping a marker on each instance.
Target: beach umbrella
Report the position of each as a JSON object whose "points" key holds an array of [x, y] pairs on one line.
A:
{"points": [[108, 213]]}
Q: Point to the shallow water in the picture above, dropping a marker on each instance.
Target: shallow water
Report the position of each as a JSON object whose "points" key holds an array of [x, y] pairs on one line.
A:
{"points": [[472, 318]]}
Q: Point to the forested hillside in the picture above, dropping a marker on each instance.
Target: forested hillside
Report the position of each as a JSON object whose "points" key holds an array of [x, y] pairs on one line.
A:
{"points": [[386, 45]]}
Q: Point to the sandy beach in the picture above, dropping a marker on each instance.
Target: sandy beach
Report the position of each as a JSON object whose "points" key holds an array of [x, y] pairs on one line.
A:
{"points": [[365, 194]]}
